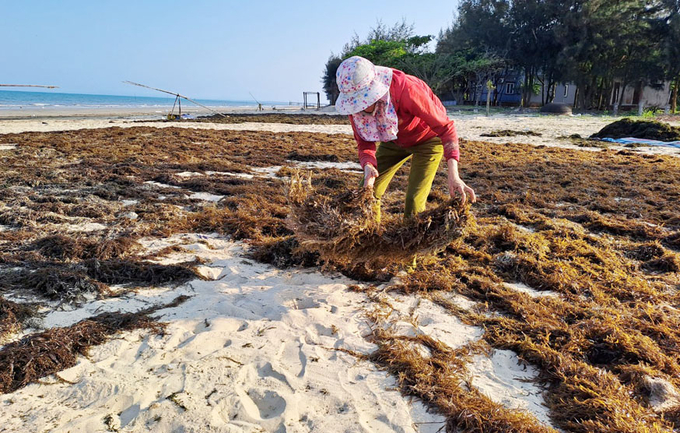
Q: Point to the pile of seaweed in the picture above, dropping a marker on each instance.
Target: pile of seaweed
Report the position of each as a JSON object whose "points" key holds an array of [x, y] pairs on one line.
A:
{"points": [[647, 129], [12, 315], [510, 133], [345, 227]]}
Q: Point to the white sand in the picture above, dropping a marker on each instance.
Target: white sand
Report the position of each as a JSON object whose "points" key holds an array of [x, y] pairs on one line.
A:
{"points": [[253, 349]]}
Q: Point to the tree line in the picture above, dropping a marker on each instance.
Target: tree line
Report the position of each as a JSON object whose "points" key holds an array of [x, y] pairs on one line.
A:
{"points": [[594, 44]]}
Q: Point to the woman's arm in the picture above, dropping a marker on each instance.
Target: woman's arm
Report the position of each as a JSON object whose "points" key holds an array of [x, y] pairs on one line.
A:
{"points": [[456, 184], [366, 150]]}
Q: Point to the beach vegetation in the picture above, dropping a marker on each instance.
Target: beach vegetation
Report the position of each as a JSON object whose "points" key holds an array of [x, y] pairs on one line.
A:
{"points": [[602, 47]]}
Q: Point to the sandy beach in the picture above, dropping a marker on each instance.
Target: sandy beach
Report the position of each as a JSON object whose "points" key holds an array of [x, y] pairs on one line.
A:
{"points": [[258, 348], [553, 130]]}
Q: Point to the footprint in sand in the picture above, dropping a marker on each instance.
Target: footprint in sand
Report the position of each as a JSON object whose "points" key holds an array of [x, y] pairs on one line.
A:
{"points": [[267, 370], [269, 404], [302, 303], [265, 401]]}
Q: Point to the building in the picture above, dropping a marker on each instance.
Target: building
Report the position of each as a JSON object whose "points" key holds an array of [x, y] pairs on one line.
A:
{"points": [[657, 95], [508, 92]]}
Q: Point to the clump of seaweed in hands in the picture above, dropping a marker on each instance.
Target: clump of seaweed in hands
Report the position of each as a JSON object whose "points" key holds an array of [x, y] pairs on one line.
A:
{"points": [[346, 228]]}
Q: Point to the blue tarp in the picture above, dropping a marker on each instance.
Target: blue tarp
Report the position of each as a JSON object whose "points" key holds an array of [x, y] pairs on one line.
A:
{"points": [[642, 141]]}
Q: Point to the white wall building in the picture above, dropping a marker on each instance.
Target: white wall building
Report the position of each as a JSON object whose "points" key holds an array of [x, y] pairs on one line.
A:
{"points": [[634, 94]]}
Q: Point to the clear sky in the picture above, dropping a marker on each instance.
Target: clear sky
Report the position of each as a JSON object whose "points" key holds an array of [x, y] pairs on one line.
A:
{"points": [[201, 48]]}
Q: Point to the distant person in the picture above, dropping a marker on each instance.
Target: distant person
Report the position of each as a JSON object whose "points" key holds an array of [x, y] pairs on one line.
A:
{"points": [[400, 113]]}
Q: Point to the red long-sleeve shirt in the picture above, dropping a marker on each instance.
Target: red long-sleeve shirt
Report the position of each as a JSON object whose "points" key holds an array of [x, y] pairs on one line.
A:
{"points": [[421, 117]]}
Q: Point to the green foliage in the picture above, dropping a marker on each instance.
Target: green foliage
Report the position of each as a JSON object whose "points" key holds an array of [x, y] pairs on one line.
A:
{"points": [[380, 52], [481, 25], [383, 46], [531, 88], [330, 87], [650, 113]]}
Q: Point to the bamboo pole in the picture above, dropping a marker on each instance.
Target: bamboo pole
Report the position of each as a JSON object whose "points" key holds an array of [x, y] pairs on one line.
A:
{"points": [[177, 95], [259, 106]]}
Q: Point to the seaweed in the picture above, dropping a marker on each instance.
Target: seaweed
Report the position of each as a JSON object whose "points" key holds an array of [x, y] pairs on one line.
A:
{"points": [[346, 228], [12, 315], [306, 119], [297, 156], [439, 380], [283, 252], [510, 133], [599, 229], [54, 282], [647, 129], [68, 248], [240, 224], [38, 355], [579, 141], [139, 272], [669, 262]]}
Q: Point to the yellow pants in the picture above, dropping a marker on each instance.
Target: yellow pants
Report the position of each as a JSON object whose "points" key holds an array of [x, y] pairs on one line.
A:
{"points": [[424, 165]]}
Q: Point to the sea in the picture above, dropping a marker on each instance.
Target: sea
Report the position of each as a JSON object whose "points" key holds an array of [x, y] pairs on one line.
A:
{"points": [[15, 99]]}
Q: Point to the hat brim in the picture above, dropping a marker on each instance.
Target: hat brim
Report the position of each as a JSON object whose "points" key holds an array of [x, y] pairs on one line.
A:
{"points": [[352, 103]]}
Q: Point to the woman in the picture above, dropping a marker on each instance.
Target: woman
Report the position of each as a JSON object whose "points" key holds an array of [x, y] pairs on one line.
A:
{"points": [[400, 112]]}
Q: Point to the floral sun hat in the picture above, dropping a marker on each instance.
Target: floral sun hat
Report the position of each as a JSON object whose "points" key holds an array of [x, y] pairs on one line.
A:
{"points": [[361, 84]]}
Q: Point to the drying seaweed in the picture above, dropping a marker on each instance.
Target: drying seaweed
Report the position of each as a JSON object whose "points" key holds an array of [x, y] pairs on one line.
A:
{"points": [[67, 248], [510, 133], [345, 228], [582, 343], [212, 184], [283, 253], [59, 247], [12, 315], [70, 283], [669, 262], [579, 141], [139, 273], [297, 156], [439, 380], [578, 224], [647, 129], [48, 352], [113, 248], [242, 223], [58, 283], [598, 222]]}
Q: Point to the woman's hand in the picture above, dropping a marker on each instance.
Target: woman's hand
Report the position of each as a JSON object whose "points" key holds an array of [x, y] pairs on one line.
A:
{"points": [[456, 184], [370, 174]]}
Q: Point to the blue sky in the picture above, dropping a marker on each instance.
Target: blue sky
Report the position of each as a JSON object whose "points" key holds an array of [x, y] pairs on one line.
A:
{"points": [[203, 48]]}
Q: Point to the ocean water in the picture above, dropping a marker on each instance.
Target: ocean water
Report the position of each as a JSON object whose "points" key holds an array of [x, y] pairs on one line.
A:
{"points": [[14, 99]]}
